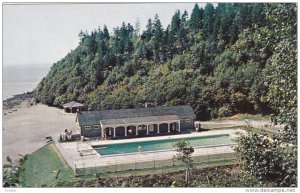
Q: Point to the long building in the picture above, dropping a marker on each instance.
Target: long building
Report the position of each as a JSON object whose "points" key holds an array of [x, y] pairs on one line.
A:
{"points": [[122, 123]]}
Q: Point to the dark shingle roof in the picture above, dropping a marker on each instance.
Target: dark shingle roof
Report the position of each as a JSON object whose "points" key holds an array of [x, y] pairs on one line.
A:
{"points": [[72, 104], [94, 117], [139, 120]]}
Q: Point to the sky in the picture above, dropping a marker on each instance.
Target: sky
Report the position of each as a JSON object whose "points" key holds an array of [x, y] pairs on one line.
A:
{"points": [[43, 34]]}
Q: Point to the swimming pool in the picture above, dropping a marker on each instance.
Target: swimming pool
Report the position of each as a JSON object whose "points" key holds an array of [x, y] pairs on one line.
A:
{"points": [[132, 147]]}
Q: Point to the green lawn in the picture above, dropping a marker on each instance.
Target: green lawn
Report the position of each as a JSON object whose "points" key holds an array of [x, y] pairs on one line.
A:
{"points": [[256, 117], [159, 170], [259, 131], [44, 168], [169, 169]]}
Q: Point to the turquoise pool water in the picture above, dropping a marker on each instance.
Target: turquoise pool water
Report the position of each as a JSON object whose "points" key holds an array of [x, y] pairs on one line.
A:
{"points": [[162, 144]]}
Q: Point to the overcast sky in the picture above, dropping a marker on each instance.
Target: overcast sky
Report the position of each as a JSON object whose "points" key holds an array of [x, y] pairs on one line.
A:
{"points": [[43, 34]]}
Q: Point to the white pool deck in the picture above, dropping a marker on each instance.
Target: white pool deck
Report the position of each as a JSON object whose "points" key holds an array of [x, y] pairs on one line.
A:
{"points": [[71, 150]]}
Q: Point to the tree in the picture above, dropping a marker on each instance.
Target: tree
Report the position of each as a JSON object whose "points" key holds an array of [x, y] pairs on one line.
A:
{"points": [[137, 27], [184, 156], [275, 158], [157, 28], [105, 33], [81, 36], [208, 19], [282, 80], [149, 31], [226, 57], [158, 38], [263, 157], [281, 70], [175, 22], [196, 19]]}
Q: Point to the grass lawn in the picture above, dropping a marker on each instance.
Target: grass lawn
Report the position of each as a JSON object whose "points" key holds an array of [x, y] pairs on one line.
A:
{"points": [[259, 131], [206, 127], [44, 168], [214, 176], [256, 117], [159, 170], [168, 169]]}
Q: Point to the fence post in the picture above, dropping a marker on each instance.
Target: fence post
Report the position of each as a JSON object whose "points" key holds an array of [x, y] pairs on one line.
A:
{"points": [[116, 165], [207, 157], [75, 171]]}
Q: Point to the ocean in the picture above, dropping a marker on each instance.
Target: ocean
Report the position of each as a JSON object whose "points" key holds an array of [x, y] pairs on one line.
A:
{"points": [[22, 78]]}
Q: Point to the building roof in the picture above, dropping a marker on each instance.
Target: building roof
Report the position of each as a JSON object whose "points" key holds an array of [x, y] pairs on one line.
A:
{"points": [[138, 120], [94, 117], [72, 104]]}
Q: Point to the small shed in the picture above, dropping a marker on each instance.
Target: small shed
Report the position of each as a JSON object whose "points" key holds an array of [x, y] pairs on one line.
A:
{"points": [[73, 107]]}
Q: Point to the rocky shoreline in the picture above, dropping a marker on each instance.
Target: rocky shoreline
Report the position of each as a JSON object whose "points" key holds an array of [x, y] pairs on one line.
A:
{"points": [[13, 102]]}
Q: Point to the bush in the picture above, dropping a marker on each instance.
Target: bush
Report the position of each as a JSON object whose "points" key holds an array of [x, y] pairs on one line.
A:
{"points": [[225, 111], [269, 159]]}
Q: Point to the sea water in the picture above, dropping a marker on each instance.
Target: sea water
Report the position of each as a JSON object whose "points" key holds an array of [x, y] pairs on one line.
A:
{"points": [[19, 79]]}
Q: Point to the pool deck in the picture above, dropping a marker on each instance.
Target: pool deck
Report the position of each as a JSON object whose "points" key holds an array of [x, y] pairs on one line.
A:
{"points": [[90, 158]]}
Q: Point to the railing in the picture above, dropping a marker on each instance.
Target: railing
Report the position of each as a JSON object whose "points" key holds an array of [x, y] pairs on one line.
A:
{"points": [[140, 162]]}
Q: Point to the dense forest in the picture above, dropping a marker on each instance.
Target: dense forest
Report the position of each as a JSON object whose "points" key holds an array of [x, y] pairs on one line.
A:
{"points": [[217, 59]]}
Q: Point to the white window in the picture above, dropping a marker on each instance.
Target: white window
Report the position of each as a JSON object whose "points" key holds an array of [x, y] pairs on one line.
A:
{"points": [[87, 127], [97, 127]]}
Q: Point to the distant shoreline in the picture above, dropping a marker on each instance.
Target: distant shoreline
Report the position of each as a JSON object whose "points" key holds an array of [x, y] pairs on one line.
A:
{"points": [[17, 99]]}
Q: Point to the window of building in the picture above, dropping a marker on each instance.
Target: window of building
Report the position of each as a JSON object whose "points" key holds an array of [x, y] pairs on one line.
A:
{"points": [[87, 127], [97, 127]]}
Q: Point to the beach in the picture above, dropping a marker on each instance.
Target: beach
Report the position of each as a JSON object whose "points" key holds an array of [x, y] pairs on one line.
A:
{"points": [[24, 128]]}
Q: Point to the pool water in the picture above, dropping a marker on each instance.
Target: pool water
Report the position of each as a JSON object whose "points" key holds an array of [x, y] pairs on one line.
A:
{"points": [[162, 144]]}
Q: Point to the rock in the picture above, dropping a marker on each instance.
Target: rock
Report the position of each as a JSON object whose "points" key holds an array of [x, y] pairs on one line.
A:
{"points": [[124, 184], [16, 100]]}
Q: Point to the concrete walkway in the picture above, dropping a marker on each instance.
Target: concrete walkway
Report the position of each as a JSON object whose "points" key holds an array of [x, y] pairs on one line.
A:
{"points": [[71, 151]]}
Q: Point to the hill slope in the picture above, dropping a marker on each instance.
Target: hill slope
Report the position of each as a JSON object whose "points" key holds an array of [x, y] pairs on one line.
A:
{"points": [[213, 60]]}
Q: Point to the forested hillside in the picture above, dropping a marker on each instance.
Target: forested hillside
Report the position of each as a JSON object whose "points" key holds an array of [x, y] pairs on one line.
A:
{"points": [[215, 59]]}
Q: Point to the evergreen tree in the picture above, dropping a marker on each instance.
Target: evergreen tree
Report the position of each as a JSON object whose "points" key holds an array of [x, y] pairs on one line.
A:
{"points": [[175, 22], [208, 19], [196, 19], [214, 59]]}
